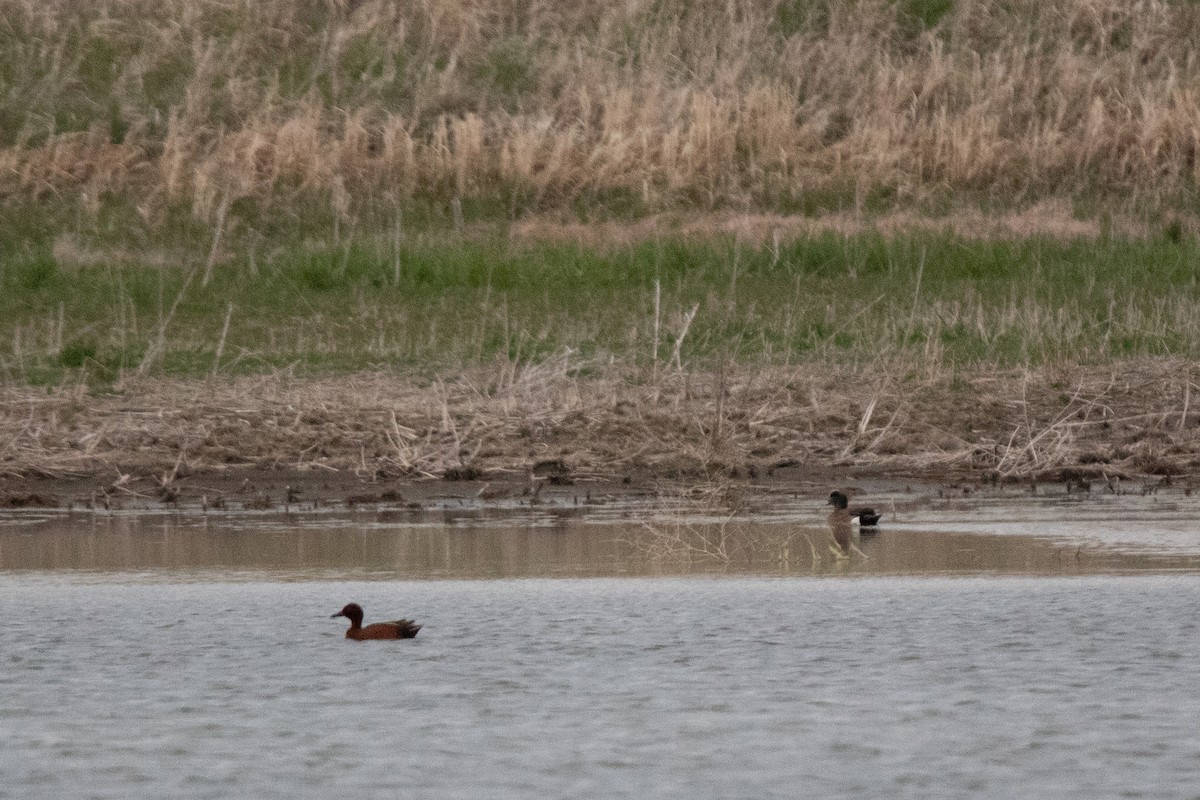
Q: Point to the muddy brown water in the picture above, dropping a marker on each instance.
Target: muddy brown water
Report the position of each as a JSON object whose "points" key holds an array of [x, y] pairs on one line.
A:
{"points": [[1020, 647]]}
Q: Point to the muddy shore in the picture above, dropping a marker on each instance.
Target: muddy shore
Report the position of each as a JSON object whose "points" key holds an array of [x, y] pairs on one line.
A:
{"points": [[544, 433]]}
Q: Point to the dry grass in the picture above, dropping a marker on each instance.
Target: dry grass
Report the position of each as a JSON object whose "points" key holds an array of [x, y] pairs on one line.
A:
{"points": [[363, 106], [706, 524], [1053, 218]]}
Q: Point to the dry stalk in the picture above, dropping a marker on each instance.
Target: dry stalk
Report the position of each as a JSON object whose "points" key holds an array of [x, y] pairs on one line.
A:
{"points": [[222, 210], [885, 429], [1187, 399], [156, 348], [866, 417], [912, 315], [827, 344], [221, 341], [166, 480], [1051, 445], [657, 321], [422, 461], [683, 331]]}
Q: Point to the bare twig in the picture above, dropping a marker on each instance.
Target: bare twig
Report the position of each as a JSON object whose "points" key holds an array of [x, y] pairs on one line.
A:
{"points": [[155, 350], [216, 242], [687, 323], [221, 341]]}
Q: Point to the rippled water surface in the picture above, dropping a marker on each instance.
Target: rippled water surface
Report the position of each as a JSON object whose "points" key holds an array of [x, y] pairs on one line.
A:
{"points": [[164, 657]]}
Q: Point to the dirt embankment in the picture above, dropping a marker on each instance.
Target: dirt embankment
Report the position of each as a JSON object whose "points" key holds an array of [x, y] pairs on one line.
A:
{"points": [[522, 433]]}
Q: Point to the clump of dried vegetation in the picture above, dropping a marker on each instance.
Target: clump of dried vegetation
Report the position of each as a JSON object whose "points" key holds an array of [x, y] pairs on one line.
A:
{"points": [[708, 524], [744, 427], [356, 112]]}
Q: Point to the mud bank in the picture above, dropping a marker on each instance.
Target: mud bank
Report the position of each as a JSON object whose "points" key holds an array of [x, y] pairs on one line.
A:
{"points": [[560, 431]]}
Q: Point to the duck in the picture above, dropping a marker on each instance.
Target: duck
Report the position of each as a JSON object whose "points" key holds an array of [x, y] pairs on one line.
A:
{"points": [[396, 629], [842, 514]]}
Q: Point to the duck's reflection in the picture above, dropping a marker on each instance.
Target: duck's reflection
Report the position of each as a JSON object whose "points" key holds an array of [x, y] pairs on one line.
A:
{"points": [[843, 536]]}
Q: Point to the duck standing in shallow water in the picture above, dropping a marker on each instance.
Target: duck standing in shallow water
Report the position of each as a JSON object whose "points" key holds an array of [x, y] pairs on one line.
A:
{"points": [[396, 629], [842, 514], [843, 520]]}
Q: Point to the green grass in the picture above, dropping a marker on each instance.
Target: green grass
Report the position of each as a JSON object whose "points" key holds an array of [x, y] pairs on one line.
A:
{"points": [[930, 298]]}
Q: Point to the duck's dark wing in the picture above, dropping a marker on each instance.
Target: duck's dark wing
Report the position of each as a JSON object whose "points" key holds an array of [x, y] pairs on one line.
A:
{"points": [[866, 516]]}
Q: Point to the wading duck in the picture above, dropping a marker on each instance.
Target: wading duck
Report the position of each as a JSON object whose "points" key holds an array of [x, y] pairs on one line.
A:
{"points": [[842, 514], [396, 629]]}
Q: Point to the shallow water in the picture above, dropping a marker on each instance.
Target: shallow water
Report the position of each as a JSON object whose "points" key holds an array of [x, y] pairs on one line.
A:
{"points": [[176, 657], [477, 543]]}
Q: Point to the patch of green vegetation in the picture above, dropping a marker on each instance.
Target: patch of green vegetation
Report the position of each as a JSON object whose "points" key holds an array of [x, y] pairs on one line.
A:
{"points": [[164, 81], [1121, 37], [605, 205], [507, 66], [923, 15], [98, 64], [363, 58], [221, 22], [799, 16], [83, 361], [77, 354], [813, 201], [440, 302], [35, 272]]}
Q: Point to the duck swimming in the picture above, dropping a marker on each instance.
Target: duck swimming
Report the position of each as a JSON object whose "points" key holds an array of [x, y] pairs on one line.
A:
{"points": [[842, 514], [396, 629]]}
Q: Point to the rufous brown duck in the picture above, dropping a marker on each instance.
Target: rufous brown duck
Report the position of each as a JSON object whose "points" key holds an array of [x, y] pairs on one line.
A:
{"points": [[396, 629]]}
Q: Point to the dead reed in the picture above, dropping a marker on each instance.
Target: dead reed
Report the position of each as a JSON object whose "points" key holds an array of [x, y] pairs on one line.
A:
{"points": [[723, 431], [360, 114]]}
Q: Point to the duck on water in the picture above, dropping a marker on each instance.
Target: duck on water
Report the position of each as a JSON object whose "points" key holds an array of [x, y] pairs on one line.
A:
{"points": [[843, 521], [842, 514], [395, 629]]}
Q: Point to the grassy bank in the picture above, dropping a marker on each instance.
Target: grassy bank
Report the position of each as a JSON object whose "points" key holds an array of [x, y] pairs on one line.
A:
{"points": [[207, 187], [126, 121], [923, 299]]}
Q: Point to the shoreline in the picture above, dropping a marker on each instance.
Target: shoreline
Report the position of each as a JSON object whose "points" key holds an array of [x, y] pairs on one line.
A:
{"points": [[503, 434]]}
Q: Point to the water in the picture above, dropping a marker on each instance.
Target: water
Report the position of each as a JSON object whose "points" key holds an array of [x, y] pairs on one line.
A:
{"points": [[183, 658]]}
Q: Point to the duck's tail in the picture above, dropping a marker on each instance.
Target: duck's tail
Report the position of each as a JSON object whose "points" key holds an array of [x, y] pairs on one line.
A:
{"points": [[405, 628]]}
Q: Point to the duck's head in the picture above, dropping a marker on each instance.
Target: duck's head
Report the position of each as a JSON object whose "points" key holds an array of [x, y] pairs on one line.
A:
{"points": [[352, 611], [838, 500]]}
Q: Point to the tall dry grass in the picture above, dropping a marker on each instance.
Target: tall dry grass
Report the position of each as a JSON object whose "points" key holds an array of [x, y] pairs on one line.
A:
{"points": [[796, 105]]}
